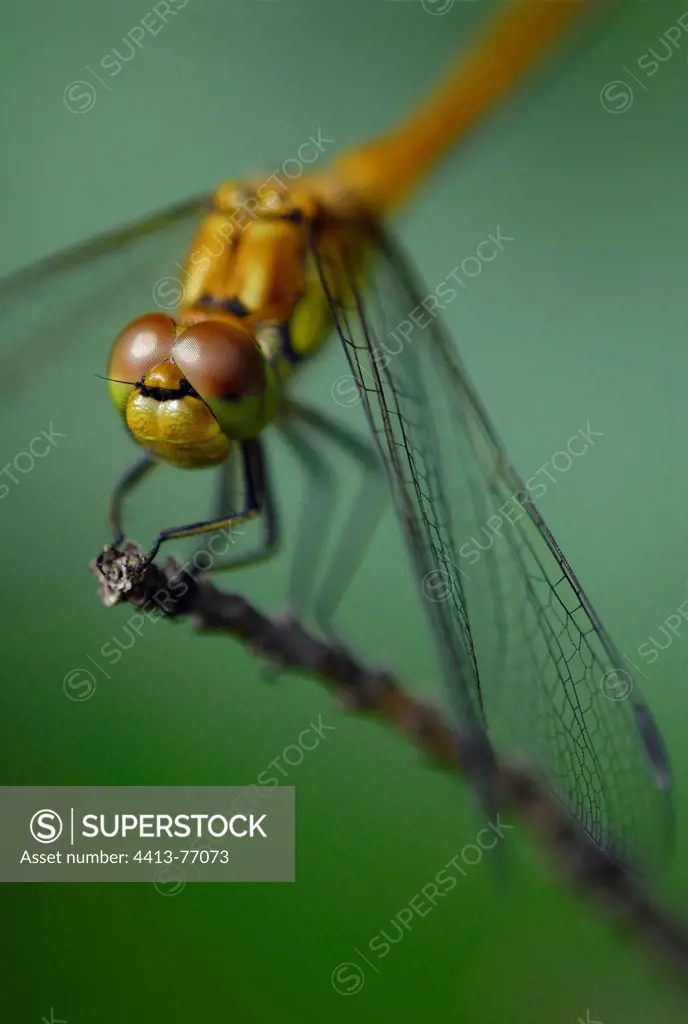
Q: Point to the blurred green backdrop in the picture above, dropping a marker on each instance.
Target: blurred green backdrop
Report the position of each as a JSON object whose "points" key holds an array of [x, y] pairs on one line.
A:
{"points": [[582, 318]]}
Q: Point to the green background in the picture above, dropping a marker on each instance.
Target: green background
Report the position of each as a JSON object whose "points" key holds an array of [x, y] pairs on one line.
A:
{"points": [[582, 318]]}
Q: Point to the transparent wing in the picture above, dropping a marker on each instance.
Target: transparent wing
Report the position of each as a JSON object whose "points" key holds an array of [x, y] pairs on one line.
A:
{"points": [[52, 304], [522, 646]]}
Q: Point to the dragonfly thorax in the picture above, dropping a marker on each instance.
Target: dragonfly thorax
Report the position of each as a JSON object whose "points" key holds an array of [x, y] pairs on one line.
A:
{"points": [[249, 254]]}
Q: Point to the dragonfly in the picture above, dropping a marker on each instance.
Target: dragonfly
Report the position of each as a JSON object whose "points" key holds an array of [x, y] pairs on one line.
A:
{"points": [[273, 271]]}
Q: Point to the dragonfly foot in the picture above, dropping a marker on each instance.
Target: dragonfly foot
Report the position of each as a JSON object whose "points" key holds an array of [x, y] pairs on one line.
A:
{"points": [[271, 672], [330, 634], [287, 616]]}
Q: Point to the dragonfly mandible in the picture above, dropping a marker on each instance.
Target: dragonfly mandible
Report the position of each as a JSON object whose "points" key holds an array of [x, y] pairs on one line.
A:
{"points": [[271, 273]]}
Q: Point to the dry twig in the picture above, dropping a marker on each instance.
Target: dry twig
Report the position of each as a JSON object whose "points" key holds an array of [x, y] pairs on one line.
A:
{"points": [[172, 593]]}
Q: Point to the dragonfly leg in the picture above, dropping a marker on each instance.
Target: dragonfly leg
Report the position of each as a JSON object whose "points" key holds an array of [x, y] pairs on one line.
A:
{"points": [[355, 539], [318, 507], [131, 477], [265, 498], [251, 453]]}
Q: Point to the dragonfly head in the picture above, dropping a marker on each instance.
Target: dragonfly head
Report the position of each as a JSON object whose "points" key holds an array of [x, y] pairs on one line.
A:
{"points": [[185, 392]]}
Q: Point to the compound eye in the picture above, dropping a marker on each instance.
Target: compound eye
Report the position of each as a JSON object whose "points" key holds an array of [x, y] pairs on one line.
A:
{"points": [[220, 360], [142, 344]]}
